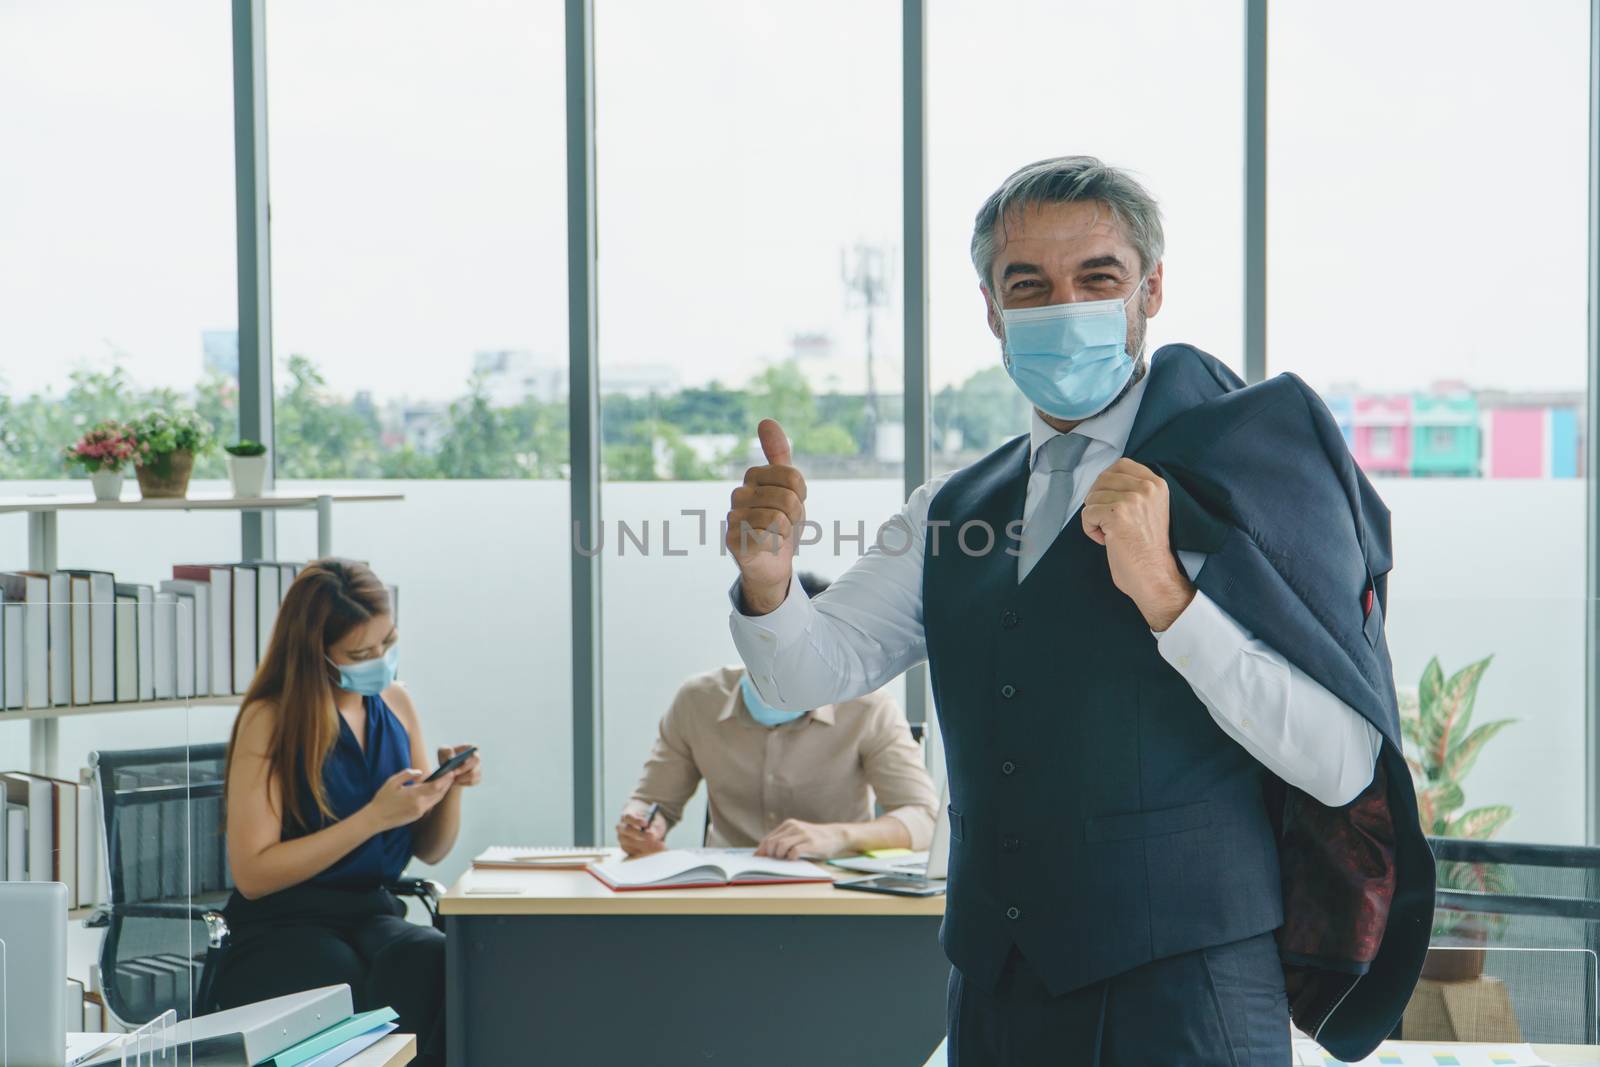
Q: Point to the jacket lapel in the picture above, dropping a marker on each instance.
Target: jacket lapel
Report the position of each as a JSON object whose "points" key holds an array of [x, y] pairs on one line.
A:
{"points": [[1181, 377]]}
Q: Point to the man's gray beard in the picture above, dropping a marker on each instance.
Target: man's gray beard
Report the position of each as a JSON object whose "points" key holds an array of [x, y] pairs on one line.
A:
{"points": [[1140, 366]]}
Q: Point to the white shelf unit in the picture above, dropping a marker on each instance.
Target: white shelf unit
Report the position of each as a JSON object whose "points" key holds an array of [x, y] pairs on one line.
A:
{"points": [[68, 710], [42, 511]]}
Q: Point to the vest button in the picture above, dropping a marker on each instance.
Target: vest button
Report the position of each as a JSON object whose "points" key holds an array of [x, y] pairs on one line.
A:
{"points": [[1008, 691], [1008, 768], [1013, 913], [1011, 843], [1009, 620]]}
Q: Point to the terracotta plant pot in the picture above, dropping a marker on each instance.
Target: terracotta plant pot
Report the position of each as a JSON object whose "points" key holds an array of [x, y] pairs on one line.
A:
{"points": [[166, 476], [1461, 963]]}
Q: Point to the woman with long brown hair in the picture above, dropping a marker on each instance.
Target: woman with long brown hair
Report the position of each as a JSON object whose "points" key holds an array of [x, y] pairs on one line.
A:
{"points": [[326, 805]]}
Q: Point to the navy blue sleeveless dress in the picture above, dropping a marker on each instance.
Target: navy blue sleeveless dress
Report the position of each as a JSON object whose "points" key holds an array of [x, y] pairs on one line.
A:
{"points": [[342, 925], [351, 777]]}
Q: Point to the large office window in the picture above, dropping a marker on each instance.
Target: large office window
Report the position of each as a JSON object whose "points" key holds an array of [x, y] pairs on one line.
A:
{"points": [[116, 283], [419, 321], [748, 164], [1154, 86], [1427, 270]]}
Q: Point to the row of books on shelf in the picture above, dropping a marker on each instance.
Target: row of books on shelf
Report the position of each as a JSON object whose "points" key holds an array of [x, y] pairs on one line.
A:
{"points": [[76, 637], [51, 833], [170, 840]]}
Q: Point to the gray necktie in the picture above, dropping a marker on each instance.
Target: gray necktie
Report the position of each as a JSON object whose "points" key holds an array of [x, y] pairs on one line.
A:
{"points": [[1060, 456]]}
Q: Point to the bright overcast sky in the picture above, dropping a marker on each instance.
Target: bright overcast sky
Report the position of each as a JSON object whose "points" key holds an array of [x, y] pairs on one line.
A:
{"points": [[1427, 165]]}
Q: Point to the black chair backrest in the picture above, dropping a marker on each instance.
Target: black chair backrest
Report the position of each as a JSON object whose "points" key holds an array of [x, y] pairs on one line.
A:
{"points": [[161, 810], [1535, 909]]}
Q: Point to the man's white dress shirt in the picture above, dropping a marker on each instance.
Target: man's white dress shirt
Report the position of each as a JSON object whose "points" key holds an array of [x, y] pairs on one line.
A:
{"points": [[867, 629]]}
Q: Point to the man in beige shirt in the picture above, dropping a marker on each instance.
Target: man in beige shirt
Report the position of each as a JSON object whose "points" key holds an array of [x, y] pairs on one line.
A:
{"points": [[801, 787]]}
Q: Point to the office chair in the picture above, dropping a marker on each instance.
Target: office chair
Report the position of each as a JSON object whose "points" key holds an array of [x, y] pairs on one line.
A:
{"points": [[1524, 916], [167, 880]]}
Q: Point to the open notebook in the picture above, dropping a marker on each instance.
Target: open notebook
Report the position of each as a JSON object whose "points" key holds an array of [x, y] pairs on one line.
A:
{"points": [[699, 868]]}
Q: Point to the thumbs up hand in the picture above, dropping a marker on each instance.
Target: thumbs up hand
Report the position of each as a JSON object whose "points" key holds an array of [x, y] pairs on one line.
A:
{"points": [[764, 522]]}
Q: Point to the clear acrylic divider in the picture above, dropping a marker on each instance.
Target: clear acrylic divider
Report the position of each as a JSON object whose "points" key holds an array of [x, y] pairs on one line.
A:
{"points": [[152, 1043]]}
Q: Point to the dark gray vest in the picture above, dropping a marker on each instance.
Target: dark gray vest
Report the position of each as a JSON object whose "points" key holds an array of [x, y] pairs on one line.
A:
{"points": [[1099, 818]]}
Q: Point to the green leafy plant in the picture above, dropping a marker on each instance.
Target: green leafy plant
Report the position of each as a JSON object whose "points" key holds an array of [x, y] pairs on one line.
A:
{"points": [[1436, 721], [245, 447], [159, 433]]}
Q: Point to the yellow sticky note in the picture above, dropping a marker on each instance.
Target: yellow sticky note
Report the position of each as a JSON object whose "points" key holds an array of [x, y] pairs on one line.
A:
{"points": [[887, 853]]}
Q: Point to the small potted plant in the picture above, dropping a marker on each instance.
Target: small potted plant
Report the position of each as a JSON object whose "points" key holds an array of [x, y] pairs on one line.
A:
{"points": [[168, 442], [247, 467], [104, 451], [1434, 719]]}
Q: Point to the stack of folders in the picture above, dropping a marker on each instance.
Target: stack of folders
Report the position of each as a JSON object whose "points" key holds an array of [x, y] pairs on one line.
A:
{"points": [[317, 1028], [73, 637]]}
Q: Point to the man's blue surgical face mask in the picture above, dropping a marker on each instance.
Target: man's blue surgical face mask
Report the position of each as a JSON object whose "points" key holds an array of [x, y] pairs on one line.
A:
{"points": [[369, 677], [1070, 360], [760, 710]]}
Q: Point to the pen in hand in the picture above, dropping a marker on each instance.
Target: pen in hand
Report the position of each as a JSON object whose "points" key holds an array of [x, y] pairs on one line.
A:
{"points": [[644, 822]]}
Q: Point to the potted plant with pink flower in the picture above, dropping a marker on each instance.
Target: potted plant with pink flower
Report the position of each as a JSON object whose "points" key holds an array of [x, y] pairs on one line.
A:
{"points": [[104, 451]]}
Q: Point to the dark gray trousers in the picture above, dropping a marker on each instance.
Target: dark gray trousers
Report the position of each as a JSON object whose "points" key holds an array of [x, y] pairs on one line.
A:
{"points": [[1217, 1007]]}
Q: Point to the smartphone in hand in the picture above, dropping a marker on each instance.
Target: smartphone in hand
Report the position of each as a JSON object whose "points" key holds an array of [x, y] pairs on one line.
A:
{"points": [[451, 764]]}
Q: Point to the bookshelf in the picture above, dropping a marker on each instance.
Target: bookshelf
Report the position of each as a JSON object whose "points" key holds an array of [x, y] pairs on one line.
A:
{"points": [[67, 710], [43, 510]]}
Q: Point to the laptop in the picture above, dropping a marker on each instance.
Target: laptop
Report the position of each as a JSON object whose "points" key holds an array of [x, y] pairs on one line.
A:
{"points": [[919, 874]]}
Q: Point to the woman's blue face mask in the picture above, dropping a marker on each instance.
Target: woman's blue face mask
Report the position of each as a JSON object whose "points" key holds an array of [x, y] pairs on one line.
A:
{"points": [[1070, 360], [369, 677]]}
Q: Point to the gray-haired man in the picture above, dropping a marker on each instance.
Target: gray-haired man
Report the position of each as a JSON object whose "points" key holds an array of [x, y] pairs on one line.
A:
{"points": [[1111, 730]]}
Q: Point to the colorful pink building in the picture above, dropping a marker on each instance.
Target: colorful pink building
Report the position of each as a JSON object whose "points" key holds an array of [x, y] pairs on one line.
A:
{"points": [[1515, 442], [1382, 433], [1533, 435]]}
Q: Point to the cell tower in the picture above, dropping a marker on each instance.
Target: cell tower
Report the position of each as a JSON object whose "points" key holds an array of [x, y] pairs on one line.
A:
{"points": [[867, 273]]}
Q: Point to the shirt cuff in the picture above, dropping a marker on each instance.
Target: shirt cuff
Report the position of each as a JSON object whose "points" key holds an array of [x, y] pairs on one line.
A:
{"points": [[780, 627], [917, 822], [1201, 642], [761, 639]]}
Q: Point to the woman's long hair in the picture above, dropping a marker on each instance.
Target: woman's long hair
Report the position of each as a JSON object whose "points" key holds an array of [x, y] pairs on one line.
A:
{"points": [[327, 600]]}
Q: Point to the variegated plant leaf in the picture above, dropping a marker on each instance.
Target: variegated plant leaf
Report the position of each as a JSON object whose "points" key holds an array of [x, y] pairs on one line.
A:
{"points": [[1479, 824], [1464, 753], [1431, 685], [1428, 712], [1461, 692], [1411, 730], [1443, 798], [1453, 712], [1425, 816]]}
